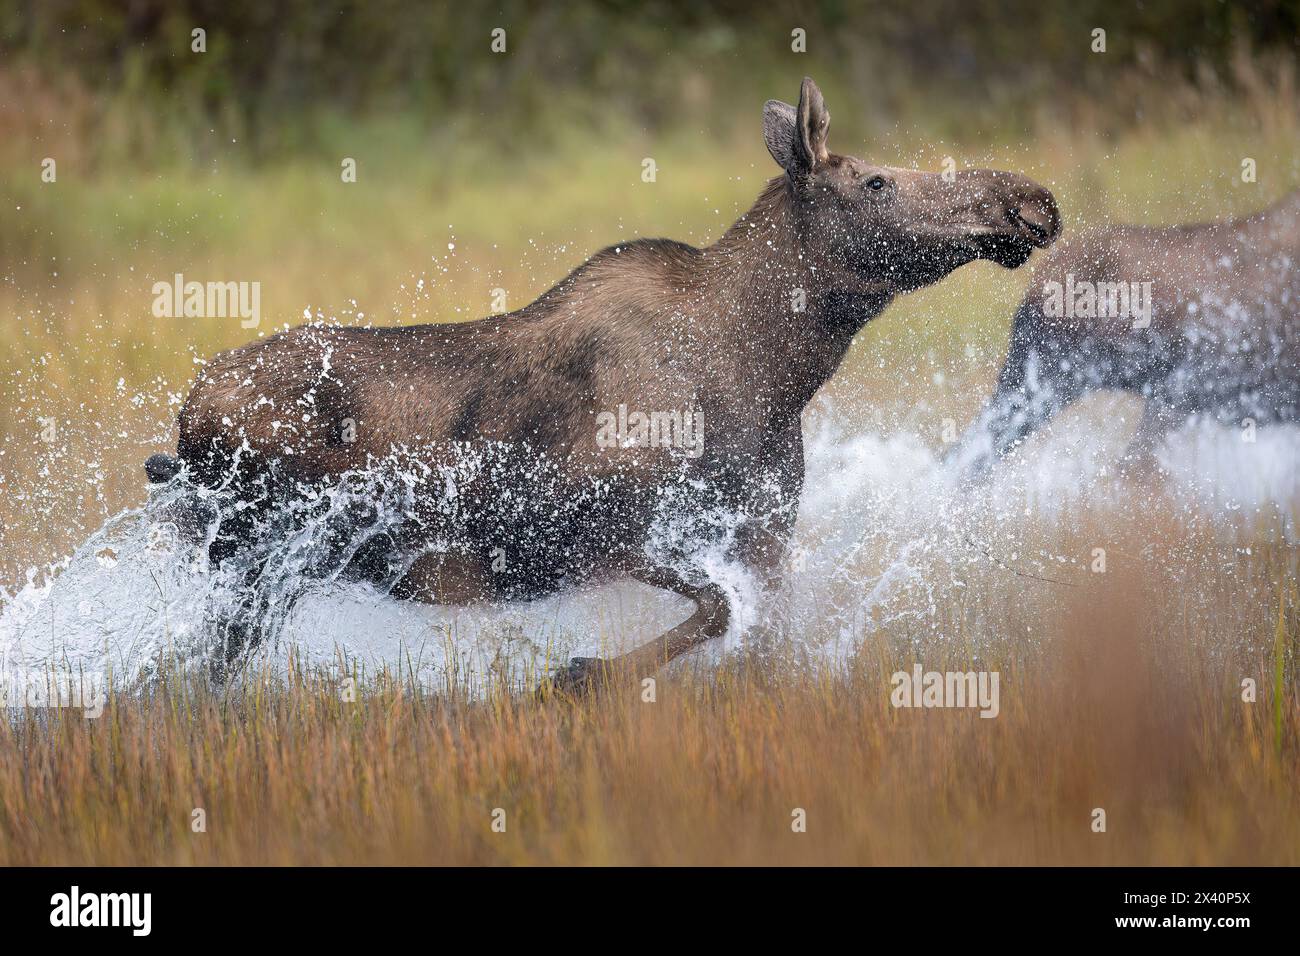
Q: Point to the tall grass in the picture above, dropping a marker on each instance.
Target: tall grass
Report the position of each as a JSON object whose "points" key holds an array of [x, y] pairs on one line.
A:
{"points": [[1115, 694]]}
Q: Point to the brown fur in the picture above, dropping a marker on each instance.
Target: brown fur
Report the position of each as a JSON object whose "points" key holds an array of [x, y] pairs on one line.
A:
{"points": [[653, 324]]}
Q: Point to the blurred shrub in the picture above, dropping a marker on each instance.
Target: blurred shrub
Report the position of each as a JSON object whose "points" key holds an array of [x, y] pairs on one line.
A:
{"points": [[276, 75]]}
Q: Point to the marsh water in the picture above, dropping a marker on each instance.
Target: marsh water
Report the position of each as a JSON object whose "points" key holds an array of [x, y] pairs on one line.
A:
{"points": [[887, 533]]}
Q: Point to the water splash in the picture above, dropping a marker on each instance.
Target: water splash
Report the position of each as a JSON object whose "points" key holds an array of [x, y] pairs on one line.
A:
{"points": [[886, 533]]}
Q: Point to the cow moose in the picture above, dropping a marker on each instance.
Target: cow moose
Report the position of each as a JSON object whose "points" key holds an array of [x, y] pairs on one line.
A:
{"points": [[1197, 319], [734, 338]]}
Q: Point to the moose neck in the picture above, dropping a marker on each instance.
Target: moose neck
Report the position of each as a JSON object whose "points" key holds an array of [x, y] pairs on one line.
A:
{"points": [[788, 307]]}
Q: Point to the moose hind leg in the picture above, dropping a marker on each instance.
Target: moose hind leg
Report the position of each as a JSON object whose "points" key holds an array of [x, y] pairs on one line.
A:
{"points": [[257, 615]]}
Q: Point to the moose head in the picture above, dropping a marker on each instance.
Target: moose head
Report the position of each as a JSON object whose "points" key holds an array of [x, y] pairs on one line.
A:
{"points": [[900, 229]]}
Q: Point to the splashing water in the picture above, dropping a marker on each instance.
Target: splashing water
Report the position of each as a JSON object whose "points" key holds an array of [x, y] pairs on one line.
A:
{"points": [[886, 533]]}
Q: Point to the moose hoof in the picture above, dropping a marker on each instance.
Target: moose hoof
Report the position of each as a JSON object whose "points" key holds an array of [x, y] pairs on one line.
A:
{"points": [[579, 677]]}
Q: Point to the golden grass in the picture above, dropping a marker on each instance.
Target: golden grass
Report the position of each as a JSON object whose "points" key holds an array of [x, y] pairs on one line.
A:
{"points": [[1118, 691]]}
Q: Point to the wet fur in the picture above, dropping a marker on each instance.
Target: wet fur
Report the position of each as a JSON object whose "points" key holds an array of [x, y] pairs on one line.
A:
{"points": [[653, 324]]}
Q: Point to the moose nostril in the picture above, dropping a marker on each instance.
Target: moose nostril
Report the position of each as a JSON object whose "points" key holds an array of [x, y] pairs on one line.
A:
{"points": [[1039, 229], [1040, 221]]}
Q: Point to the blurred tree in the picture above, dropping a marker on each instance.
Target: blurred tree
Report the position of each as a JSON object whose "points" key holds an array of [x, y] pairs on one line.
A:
{"points": [[270, 67]]}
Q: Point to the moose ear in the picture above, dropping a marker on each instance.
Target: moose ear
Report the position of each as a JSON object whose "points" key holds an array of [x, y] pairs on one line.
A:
{"points": [[780, 135], [796, 137], [814, 121]]}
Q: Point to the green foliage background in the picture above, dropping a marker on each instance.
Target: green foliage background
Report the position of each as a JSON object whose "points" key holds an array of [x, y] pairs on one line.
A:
{"points": [[280, 75]]}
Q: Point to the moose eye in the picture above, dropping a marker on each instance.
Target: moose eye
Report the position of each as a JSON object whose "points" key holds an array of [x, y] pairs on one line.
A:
{"points": [[876, 182]]}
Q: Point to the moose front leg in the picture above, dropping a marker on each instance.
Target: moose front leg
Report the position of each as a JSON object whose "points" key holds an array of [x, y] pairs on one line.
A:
{"points": [[1158, 419], [1029, 393], [761, 545], [710, 620], [763, 552]]}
